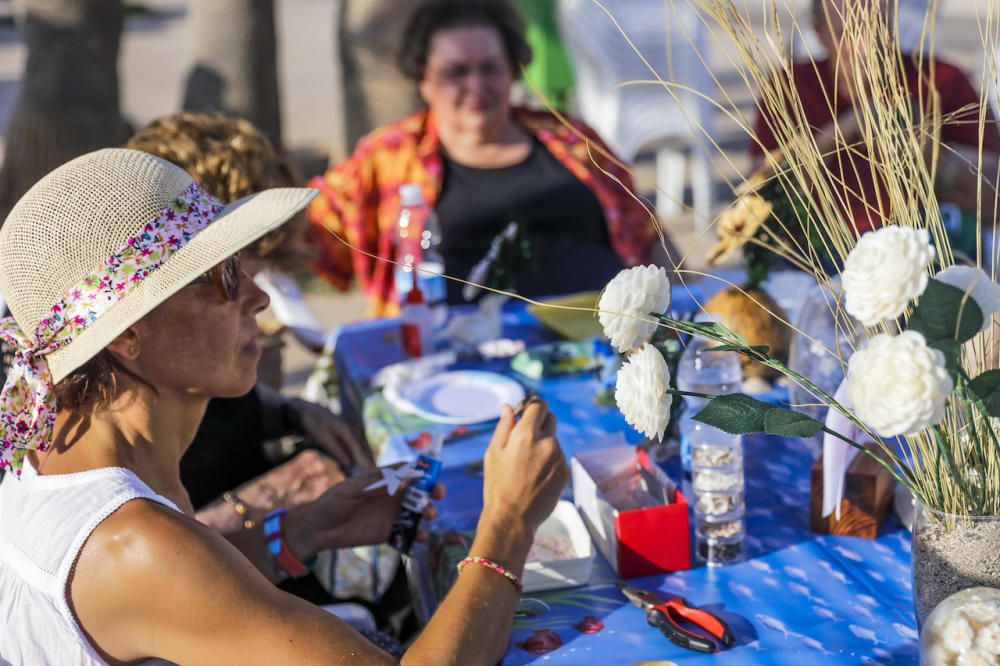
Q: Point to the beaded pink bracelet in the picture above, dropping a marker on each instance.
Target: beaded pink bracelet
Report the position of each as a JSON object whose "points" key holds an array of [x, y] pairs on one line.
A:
{"points": [[490, 564]]}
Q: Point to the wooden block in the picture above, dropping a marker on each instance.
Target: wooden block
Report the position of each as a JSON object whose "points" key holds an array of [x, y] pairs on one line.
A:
{"points": [[868, 491]]}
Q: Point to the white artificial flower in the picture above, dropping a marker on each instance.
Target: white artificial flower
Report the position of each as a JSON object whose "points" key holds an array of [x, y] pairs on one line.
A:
{"points": [[988, 639], [641, 392], [975, 658], [957, 635], [938, 656], [627, 302], [983, 611], [885, 271], [898, 385], [975, 282]]}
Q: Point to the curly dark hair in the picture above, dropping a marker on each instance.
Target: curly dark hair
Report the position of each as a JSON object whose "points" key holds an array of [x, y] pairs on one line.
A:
{"points": [[434, 16], [231, 159]]}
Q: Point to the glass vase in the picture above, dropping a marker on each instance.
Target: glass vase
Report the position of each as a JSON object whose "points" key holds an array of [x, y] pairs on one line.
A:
{"points": [[822, 336], [952, 553]]}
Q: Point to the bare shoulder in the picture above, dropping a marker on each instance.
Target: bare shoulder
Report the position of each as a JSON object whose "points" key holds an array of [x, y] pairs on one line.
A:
{"points": [[138, 565], [151, 582], [144, 541]]}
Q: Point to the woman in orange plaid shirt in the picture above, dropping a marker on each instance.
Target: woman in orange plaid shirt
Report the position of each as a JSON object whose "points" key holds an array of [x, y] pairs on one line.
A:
{"points": [[481, 164]]}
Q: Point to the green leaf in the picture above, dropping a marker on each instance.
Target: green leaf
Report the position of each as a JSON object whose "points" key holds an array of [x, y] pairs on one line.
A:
{"points": [[945, 313], [760, 349], [707, 329], [987, 388], [787, 423], [952, 355], [734, 413]]}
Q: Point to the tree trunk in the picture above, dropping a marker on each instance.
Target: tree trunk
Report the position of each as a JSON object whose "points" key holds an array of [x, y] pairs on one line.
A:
{"points": [[373, 91], [68, 100], [234, 62]]}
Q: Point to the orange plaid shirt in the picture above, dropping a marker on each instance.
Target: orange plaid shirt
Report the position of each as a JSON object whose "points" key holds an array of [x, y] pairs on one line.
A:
{"points": [[359, 198]]}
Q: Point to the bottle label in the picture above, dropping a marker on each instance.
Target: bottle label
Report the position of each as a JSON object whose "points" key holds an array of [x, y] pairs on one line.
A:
{"points": [[411, 339], [404, 529], [430, 277]]}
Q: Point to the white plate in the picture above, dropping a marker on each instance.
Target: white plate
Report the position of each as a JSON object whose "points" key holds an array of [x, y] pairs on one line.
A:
{"points": [[459, 397]]}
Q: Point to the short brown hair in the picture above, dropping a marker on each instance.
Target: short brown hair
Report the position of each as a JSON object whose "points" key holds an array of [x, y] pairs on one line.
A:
{"points": [[96, 384], [231, 159], [434, 16]]}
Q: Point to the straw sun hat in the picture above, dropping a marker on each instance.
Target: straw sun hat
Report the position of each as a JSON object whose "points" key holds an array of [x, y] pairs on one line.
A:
{"points": [[72, 220], [92, 248]]}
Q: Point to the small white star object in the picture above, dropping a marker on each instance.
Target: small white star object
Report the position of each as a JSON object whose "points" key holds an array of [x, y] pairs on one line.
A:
{"points": [[392, 478]]}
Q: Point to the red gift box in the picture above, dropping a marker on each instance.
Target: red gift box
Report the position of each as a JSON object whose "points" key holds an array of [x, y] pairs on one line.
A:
{"points": [[637, 542]]}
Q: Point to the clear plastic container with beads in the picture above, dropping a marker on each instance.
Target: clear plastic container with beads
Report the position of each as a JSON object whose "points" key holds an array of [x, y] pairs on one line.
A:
{"points": [[730, 528], [719, 506], [722, 455], [717, 480], [719, 551]]}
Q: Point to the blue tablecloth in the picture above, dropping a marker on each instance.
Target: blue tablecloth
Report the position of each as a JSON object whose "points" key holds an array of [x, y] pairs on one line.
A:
{"points": [[799, 599]]}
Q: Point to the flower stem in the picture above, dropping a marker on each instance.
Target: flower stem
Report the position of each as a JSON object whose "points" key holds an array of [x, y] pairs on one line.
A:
{"points": [[692, 394], [865, 449], [719, 333]]}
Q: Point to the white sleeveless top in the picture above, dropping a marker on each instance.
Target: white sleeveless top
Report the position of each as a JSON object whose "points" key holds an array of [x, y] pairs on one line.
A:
{"points": [[44, 522]]}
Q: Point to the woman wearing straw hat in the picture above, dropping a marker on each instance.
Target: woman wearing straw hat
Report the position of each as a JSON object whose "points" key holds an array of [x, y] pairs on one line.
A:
{"points": [[130, 312]]}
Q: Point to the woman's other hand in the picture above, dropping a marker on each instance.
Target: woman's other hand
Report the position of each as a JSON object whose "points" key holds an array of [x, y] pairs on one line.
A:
{"points": [[330, 433], [347, 515], [300, 480]]}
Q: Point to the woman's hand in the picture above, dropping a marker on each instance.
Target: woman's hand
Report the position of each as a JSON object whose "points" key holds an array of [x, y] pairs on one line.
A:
{"points": [[347, 515], [839, 140], [330, 433], [300, 480], [524, 473]]}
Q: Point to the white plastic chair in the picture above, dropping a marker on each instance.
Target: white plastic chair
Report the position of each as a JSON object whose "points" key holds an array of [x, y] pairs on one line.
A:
{"points": [[909, 28], [989, 78], [910, 23], [290, 308], [669, 35]]}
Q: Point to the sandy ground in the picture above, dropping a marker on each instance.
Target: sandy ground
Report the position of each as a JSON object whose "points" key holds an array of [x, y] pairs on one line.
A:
{"points": [[153, 66]]}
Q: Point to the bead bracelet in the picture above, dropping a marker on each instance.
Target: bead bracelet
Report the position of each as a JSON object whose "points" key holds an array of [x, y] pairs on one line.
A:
{"points": [[490, 564], [240, 508]]}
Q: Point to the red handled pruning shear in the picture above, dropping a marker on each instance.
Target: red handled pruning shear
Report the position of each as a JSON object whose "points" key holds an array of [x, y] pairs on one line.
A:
{"points": [[667, 615]]}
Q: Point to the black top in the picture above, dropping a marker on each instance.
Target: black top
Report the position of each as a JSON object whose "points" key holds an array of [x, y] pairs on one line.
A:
{"points": [[561, 217], [228, 450]]}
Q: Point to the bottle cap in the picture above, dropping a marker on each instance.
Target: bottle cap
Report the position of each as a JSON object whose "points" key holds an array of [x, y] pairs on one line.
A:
{"points": [[411, 194], [414, 296]]}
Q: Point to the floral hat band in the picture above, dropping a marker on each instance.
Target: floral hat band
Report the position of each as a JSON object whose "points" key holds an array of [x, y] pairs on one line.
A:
{"points": [[27, 403]]}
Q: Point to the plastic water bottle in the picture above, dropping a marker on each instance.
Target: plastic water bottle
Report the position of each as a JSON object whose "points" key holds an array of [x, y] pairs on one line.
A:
{"points": [[709, 372], [415, 324], [418, 237]]}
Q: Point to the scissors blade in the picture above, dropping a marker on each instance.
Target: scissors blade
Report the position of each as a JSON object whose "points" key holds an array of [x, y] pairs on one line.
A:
{"points": [[638, 597]]}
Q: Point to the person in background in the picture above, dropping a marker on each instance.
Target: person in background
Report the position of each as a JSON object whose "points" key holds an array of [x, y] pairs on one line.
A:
{"points": [[826, 90], [226, 472], [481, 164]]}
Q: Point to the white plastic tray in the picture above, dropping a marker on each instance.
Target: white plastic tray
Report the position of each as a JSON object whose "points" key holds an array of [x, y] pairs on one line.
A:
{"points": [[565, 520]]}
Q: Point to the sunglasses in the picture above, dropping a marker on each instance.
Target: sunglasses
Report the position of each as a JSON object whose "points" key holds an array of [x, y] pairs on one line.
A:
{"points": [[225, 276]]}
